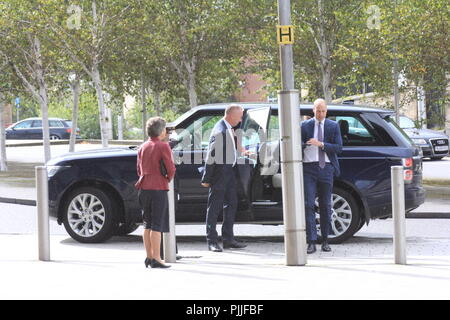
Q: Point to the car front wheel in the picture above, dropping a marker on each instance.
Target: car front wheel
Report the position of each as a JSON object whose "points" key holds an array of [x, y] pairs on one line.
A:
{"points": [[54, 137], [89, 215], [345, 216]]}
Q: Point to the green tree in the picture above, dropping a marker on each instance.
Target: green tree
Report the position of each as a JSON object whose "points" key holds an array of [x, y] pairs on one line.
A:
{"points": [[193, 35], [88, 35], [29, 55]]}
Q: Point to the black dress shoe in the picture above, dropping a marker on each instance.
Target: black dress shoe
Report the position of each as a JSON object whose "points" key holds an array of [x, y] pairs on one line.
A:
{"points": [[233, 245], [311, 248], [156, 264], [147, 262], [326, 247], [214, 247]]}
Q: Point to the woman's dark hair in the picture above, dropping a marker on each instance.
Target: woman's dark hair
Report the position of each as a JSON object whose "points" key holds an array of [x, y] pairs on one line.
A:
{"points": [[155, 126]]}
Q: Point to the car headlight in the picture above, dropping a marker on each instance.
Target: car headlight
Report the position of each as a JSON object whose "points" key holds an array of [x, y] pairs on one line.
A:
{"points": [[52, 170], [420, 141]]}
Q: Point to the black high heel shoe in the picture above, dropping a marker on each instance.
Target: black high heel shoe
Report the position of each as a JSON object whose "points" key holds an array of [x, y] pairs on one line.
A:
{"points": [[156, 264], [147, 262]]}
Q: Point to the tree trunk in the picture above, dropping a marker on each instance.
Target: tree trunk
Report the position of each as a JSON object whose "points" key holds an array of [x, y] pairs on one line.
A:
{"points": [[39, 93], [326, 81], [43, 101], [101, 106], [3, 161], [325, 55], [186, 73], [75, 87], [192, 90], [157, 102], [144, 107], [191, 81]]}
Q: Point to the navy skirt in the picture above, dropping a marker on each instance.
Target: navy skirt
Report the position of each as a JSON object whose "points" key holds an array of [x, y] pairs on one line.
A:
{"points": [[155, 209]]}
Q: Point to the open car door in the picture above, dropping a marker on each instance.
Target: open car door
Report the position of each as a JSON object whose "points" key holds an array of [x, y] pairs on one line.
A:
{"points": [[253, 138]]}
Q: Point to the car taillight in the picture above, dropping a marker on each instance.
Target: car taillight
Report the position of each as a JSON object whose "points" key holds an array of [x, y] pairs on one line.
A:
{"points": [[407, 162], [408, 172], [69, 130], [408, 175]]}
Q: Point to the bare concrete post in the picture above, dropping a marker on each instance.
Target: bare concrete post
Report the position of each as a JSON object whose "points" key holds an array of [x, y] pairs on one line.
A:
{"points": [[169, 245], [42, 213], [398, 214]]}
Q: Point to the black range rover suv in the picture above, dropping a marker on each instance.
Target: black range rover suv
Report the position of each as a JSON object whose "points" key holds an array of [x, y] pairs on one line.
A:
{"points": [[93, 192]]}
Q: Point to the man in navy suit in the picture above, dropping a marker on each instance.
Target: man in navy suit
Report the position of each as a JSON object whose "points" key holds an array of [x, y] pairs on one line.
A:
{"points": [[322, 142], [219, 177]]}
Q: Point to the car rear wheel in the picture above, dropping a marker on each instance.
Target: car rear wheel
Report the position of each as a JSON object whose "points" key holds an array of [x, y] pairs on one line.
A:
{"points": [[89, 215], [345, 216], [54, 137]]}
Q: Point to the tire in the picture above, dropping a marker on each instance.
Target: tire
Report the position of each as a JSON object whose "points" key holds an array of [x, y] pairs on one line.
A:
{"points": [[345, 216], [436, 158], [54, 137], [89, 215]]}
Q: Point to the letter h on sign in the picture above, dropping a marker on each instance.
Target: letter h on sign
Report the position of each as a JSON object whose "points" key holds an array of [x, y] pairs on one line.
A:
{"points": [[285, 34]]}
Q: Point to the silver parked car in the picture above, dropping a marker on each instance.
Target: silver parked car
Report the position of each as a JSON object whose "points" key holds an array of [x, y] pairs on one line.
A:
{"points": [[434, 144]]}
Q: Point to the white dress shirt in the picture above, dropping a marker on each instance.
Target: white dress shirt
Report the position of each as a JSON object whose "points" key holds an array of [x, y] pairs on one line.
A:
{"points": [[311, 152]]}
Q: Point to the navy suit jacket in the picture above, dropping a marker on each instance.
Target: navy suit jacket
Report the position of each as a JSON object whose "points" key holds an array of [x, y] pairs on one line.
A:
{"points": [[332, 140], [221, 152]]}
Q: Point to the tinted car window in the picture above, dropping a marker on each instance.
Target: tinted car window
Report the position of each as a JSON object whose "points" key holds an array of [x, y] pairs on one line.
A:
{"points": [[51, 124], [274, 129], [196, 135], [355, 132], [37, 124], [254, 127], [23, 125], [55, 124], [400, 133]]}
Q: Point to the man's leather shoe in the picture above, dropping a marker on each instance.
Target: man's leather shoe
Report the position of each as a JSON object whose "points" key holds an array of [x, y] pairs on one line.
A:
{"points": [[233, 245], [311, 248], [326, 247], [214, 247]]}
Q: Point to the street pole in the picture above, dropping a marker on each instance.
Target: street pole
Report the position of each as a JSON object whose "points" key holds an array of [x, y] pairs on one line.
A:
{"points": [[291, 151]]}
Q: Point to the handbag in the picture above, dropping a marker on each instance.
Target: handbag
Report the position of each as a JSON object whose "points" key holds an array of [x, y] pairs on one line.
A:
{"points": [[162, 168]]}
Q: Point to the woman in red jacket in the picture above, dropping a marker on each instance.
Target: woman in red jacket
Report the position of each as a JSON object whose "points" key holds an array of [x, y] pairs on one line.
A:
{"points": [[153, 187]]}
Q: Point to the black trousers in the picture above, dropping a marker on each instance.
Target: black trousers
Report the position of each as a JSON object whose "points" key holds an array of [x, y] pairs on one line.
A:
{"points": [[222, 198]]}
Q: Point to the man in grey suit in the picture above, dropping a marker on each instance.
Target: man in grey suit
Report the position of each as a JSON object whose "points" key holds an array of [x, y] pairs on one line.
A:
{"points": [[219, 177], [322, 142]]}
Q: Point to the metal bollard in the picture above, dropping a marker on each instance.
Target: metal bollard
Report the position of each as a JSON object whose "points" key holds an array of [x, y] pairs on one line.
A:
{"points": [[169, 246], [398, 214], [42, 213]]}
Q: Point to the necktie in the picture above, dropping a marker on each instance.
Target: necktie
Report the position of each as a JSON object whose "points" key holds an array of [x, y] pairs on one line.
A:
{"points": [[321, 152]]}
